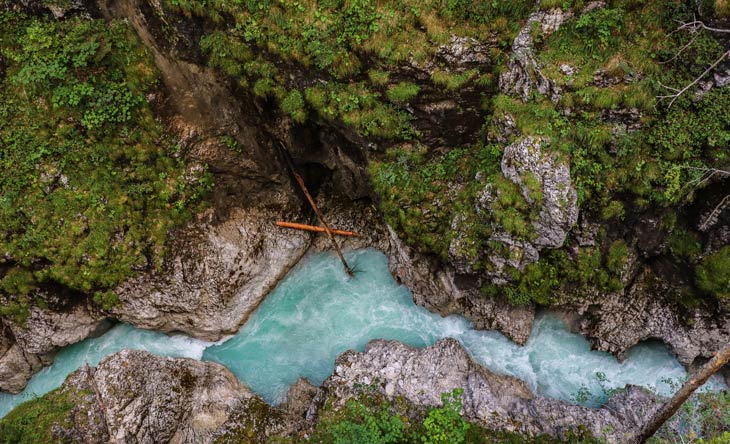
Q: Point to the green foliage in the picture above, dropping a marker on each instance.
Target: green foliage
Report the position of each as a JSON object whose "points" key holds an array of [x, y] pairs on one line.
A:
{"points": [[445, 425], [32, 422], [106, 299], [600, 25], [357, 106], [685, 244], [378, 77], [452, 81], [713, 274], [358, 424], [293, 104], [402, 92], [335, 41], [88, 183], [617, 254], [703, 419], [372, 419]]}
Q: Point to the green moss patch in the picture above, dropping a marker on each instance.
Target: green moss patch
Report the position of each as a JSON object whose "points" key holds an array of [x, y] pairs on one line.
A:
{"points": [[90, 183]]}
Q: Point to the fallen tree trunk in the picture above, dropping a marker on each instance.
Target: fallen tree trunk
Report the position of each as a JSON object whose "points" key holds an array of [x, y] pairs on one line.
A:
{"points": [[670, 407], [316, 229], [319, 214]]}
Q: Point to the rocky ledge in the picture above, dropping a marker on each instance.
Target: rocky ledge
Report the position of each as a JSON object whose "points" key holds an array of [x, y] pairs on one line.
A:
{"points": [[134, 396]]}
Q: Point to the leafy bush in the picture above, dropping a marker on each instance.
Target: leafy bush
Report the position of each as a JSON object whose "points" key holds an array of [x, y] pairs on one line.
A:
{"points": [[713, 273], [293, 104], [32, 422], [89, 184]]}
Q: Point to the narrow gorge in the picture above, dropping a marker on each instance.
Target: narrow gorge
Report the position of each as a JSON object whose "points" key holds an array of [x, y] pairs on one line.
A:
{"points": [[543, 217]]}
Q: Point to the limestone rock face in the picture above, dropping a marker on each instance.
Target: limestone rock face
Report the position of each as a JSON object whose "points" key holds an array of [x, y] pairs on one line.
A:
{"points": [[215, 276], [25, 349], [141, 398], [16, 366], [545, 183], [494, 401], [559, 209], [618, 321], [523, 74]]}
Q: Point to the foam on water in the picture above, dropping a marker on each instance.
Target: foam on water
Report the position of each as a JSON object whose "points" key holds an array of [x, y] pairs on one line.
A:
{"points": [[93, 350], [317, 312]]}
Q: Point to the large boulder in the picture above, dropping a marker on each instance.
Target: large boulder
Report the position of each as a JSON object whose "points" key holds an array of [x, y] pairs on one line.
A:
{"points": [[137, 397]]}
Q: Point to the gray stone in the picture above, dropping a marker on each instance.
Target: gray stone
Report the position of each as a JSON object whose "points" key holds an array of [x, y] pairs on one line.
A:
{"points": [[559, 209], [496, 402], [143, 398], [523, 74], [522, 161]]}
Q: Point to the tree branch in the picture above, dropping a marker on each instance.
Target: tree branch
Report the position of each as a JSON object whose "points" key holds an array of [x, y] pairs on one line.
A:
{"points": [[697, 24], [677, 94]]}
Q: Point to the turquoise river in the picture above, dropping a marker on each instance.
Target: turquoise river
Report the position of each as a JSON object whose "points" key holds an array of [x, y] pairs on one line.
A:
{"points": [[317, 312]]}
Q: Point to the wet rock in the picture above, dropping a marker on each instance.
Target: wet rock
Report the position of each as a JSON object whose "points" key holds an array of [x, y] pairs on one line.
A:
{"points": [[26, 348], [215, 275], [16, 366], [420, 376], [616, 322], [137, 397], [45, 331]]}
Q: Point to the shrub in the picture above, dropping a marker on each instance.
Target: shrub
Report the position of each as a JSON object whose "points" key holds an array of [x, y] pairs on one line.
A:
{"points": [[402, 92], [293, 104], [713, 273], [32, 422]]}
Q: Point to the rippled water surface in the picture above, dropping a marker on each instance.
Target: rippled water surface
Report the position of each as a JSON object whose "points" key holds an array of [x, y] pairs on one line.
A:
{"points": [[317, 312]]}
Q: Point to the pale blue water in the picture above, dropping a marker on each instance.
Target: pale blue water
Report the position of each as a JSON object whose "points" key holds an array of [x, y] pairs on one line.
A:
{"points": [[317, 312]]}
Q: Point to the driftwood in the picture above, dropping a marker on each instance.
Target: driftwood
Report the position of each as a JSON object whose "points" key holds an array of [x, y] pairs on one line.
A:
{"points": [[327, 229], [319, 214], [314, 228], [672, 405]]}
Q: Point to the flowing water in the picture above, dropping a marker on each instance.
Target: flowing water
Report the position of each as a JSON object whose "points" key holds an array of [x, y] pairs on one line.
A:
{"points": [[317, 312]]}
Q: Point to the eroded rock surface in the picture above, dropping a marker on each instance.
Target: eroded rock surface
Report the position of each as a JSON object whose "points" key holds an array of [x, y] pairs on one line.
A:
{"points": [[496, 402], [545, 183], [523, 74], [137, 397], [25, 348]]}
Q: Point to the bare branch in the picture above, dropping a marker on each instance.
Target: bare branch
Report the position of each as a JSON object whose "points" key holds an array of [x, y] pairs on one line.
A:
{"points": [[680, 50], [676, 95], [697, 24], [715, 213]]}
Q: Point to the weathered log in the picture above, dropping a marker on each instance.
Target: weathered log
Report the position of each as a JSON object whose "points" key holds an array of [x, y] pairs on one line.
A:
{"points": [[670, 407], [314, 228], [319, 214]]}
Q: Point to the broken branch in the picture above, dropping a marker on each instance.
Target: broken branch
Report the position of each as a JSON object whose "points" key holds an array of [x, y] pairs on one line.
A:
{"points": [[314, 228]]}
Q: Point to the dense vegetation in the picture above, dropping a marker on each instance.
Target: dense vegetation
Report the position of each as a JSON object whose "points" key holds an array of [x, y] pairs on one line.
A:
{"points": [[346, 62], [353, 47], [32, 422], [371, 419], [89, 182]]}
